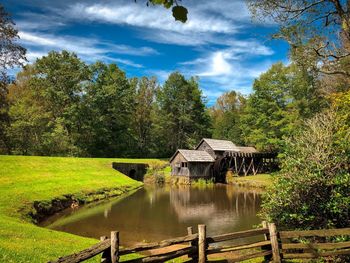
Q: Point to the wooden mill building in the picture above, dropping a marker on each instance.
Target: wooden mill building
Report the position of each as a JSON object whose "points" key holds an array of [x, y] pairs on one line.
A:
{"points": [[218, 148], [192, 163], [213, 158]]}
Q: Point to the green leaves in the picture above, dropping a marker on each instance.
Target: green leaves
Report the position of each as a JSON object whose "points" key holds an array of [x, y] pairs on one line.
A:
{"points": [[180, 13], [282, 97], [183, 119], [313, 187]]}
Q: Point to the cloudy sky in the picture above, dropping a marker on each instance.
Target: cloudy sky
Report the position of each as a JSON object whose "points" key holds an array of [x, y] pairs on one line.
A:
{"points": [[219, 43]]}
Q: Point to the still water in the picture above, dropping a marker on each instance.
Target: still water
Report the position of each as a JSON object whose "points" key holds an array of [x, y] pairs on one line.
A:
{"points": [[157, 213]]}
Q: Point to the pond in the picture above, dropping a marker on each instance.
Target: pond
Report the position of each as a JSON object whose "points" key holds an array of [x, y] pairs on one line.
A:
{"points": [[157, 213]]}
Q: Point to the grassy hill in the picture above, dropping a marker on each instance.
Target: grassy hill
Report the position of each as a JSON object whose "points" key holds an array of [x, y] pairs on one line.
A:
{"points": [[26, 179]]}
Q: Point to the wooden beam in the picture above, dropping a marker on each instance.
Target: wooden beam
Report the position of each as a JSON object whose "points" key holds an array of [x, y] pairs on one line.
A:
{"points": [[274, 243], [236, 235], [267, 258], [191, 244], [250, 256], [317, 233], [106, 255], [86, 253], [222, 249], [317, 254], [114, 246], [202, 257]]}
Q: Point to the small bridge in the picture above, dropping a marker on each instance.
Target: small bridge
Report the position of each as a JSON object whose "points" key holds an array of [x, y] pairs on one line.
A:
{"points": [[135, 171]]}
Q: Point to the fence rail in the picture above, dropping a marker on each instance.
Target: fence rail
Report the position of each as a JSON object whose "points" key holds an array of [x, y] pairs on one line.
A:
{"points": [[274, 245]]}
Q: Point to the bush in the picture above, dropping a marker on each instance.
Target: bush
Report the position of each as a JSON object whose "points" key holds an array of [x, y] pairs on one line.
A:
{"points": [[313, 188]]}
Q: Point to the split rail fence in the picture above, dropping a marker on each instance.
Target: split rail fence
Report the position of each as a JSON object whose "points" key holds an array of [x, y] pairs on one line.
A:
{"points": [[274, 246]]}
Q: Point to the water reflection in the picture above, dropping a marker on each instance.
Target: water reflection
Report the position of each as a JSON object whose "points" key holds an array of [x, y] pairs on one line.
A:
{"points": [[154, 214]]}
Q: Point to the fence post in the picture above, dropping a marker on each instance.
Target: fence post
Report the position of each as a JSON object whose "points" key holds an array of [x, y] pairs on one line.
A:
{"points": [[191, 243], [267, 247], [274, 243], [202, 257], [114, 246], [105, 257]]}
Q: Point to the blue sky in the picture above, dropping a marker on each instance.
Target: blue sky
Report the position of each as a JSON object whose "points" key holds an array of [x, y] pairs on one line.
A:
{"points": [[219, 43]]}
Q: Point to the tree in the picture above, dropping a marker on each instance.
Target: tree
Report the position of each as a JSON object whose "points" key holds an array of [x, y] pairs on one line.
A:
{"points": [[226, 116], [50, 105], [143, 115], [28, 116], [282, 97], [182, 116], [317, 30], [108, 107], [11, 55], [312, 189]]}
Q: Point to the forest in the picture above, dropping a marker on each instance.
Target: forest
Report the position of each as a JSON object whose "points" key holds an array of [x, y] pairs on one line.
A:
{"points": [[59, 105]]}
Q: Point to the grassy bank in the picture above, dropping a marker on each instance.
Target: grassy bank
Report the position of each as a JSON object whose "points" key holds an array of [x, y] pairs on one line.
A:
{"points": [[25, 180], [255, 181]]}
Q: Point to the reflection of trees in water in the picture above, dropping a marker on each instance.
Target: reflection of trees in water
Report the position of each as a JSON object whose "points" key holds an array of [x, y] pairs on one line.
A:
{"points": [[214, 206], [154, 193]]}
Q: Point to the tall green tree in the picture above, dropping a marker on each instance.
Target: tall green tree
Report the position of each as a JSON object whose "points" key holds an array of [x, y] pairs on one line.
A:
{"points": [[56, 81], [182, 116], [282, 98], [143, 115], [109, 103], [226, 117], [29, 119], [12, 54]]}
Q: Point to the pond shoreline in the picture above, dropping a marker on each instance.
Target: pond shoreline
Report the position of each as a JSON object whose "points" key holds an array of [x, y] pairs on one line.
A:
{"points": [[43, 210], [154, 213]]}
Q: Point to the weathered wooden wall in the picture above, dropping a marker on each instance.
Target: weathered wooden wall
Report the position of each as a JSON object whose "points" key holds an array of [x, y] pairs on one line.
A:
{"points": [[201, 170], [204, 146], [179, 171]]}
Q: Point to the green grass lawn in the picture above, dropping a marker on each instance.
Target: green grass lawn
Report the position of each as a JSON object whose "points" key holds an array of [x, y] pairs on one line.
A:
{"points": [[257, 181], [25, 179]]}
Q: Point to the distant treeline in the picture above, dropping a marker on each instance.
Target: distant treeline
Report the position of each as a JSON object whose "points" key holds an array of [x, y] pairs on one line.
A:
{"points": [[61, 106]]}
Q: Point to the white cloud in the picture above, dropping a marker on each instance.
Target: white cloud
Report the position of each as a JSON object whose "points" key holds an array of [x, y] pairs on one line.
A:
{"points": [[33, 55], [89, 49], [226, 55], [219, 65], [136, 14]]}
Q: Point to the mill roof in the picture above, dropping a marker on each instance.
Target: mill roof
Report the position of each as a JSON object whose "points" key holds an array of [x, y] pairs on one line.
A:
{"points": [[247, 149], [194, 156], [219, 145]]}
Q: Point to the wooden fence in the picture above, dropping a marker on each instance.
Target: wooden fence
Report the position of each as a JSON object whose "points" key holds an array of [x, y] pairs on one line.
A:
{"points": [[273, 245]]}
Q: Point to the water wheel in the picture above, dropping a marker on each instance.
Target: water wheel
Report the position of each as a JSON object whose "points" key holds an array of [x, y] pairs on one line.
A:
{"points": [[221, 166]]}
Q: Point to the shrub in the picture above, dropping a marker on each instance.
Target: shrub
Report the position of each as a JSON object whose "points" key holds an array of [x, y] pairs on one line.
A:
{"points": [[313, 187]]}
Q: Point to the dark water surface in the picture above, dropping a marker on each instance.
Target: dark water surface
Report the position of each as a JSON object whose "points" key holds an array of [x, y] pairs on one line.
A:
{"points": [[154, 214]]}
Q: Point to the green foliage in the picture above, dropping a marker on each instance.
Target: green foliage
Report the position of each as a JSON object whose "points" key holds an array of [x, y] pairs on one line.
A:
{"points": [[61, 106], [226, 116], [182, 116], [12, 54], [282, 97], [144, 117], [179, 12], [317, 31], [108, 106], [312, 190], [45, 106]]}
